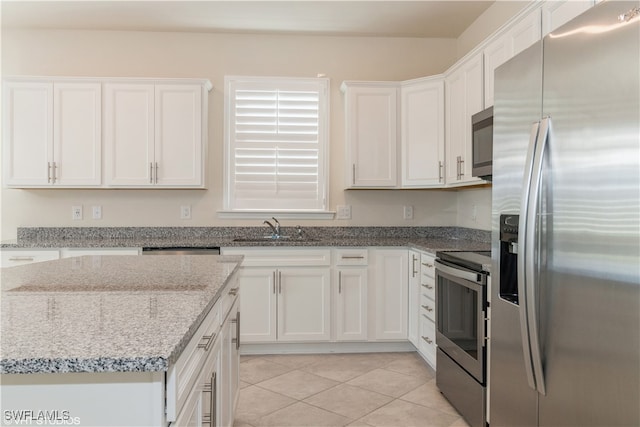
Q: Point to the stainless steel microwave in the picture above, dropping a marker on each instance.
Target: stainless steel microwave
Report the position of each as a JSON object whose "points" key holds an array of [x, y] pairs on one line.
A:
{"points": [[482, 143]]}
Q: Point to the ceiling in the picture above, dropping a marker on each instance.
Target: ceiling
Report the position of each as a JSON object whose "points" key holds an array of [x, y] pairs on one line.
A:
{"points": [[326, 17]]}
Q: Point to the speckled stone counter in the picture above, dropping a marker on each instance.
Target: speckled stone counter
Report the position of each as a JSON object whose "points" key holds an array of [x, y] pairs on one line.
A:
{"points": [[426, 238], [106, 314]]}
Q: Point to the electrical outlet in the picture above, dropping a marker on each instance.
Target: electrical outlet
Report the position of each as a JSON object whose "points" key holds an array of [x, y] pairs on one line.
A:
{"points": [[408, 212], [185, 212], [97, 212], [344, 212], [76, 212]]}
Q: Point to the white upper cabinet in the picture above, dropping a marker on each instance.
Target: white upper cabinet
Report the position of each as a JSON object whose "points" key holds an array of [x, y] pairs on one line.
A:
{"points": [[52, 134], [422, 132], [558, 12], [129, 134], [516, 38], [463, 98], [154, 135], [372, 133]]}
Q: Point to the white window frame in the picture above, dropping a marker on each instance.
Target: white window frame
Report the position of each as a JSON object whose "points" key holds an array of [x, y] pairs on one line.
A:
{"points": [[253, 208]]}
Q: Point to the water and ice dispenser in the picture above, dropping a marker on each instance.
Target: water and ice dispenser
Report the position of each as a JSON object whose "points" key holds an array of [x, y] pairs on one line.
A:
{"points": [[509, 257]]}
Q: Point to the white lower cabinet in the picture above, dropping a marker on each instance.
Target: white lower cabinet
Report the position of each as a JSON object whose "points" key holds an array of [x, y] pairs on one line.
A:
{"points": [[203, 385], [426, 310], [413, 329], [391, 293], [286, 294], [351, 294]]}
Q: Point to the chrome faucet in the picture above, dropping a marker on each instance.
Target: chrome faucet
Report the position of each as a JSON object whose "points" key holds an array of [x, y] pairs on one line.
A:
{"points": [[275, 228]]}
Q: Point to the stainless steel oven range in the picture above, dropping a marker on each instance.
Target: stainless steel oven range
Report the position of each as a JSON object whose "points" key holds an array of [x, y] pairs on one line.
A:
{"points": [[461, 331]]}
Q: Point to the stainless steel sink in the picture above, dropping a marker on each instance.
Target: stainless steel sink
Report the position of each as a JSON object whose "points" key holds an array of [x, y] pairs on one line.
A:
{"points": [[271, 239]]}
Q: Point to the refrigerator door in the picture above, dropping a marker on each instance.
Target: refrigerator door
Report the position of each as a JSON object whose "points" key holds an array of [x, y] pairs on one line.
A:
{"points": [[517, 107], [589, 285]]}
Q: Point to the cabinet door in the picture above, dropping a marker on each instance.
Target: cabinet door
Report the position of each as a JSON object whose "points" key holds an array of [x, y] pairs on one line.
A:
{"points": [[77, 134], [371, 137], [414, 297], [464, 99], [391, 284], [351, 304], [28, 133], [129, 134], [558, 12], [178, 131], [513, 41], [303, 304], [258, 304], [422, 133]]}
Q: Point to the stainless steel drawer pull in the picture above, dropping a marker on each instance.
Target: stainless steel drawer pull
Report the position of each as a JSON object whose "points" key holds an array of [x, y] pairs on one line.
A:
{"points": [[207, 345], [427, 286], [150, 173], [427, 265], [428, 340], [233, 291], [236, 340], [426, 307], [211, 387], [21, 258], [352, 257]]}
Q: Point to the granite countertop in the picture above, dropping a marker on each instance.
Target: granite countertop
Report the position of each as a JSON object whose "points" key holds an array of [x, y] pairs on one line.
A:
{"points": [[430, 239], [105, 313]]}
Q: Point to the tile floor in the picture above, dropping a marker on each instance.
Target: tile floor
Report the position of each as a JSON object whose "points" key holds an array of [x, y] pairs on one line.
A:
{"points": [[359, 390]]}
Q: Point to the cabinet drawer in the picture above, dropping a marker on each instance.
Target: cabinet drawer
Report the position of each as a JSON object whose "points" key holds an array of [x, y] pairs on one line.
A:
{"points": [[428, 287], [351, 256], [13, 257], [427, 307], [427, 344], [184, 373], [427, 265]]}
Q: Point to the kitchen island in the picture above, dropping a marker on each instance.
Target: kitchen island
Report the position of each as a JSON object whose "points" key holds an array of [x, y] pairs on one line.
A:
{"points": [[111, 340]]}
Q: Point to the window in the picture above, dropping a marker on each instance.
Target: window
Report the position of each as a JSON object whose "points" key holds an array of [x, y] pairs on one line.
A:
{"points": [[276, 144]]}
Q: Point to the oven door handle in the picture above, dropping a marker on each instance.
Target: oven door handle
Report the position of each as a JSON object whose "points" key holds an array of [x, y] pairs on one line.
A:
{"points": [[459, 273]]}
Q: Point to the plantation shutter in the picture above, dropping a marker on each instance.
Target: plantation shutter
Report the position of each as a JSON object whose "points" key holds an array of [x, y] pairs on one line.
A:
{"points": [[276, 132]]}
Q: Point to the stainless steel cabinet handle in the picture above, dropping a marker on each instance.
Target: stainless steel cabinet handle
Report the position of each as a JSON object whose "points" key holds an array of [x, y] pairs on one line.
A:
{"points": [[207, 345], [339, 282], [21, 258], [427, 265], [427, 286], [352, 257], [150, 173], [280, 282], [237, 338], [353, 174], [458, 160], [428, 340], [440, 167], [211, 387], [233, 291], [274, 282], [413, 266], [426, 307], [49, 172], [156, 172], [53, 174], [461, 167]]}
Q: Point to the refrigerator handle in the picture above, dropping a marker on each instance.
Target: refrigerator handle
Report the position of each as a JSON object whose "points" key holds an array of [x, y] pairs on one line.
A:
{"points": [[529, 254], [522, 255]]}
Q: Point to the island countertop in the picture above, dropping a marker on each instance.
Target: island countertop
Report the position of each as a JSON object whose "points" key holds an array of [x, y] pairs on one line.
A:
{"points": [[106, 313]]}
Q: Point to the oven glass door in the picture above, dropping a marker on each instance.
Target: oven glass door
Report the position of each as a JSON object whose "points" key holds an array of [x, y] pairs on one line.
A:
{"points": [[461, 318]]}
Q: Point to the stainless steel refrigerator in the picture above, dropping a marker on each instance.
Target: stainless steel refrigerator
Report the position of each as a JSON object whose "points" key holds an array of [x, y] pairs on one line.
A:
{"points": [[565, 299]]}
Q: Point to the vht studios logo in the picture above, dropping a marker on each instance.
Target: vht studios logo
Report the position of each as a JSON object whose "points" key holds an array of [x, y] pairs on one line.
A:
{"points": [[39, 418]]}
